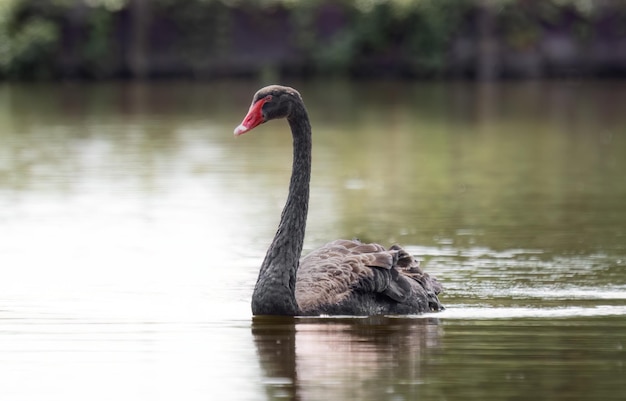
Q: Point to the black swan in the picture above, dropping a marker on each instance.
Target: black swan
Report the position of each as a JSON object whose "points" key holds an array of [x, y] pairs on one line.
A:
{"points": [[343, 277]]}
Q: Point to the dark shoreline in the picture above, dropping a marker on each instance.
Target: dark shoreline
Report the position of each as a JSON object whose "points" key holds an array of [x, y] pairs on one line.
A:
{"points": [[208, 40]]}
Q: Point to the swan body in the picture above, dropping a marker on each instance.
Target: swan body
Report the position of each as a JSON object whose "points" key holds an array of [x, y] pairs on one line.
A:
{"points": [[343, 277]]}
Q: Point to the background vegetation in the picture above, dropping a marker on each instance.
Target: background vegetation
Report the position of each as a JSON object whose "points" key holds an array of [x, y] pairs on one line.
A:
{"points": [[485, 39]]}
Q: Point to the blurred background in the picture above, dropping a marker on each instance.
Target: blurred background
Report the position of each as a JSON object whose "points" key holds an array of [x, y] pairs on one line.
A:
{"points": [[210, 39], [485, 136]]}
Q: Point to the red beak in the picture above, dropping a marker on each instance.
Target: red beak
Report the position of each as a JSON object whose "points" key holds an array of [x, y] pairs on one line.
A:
{"points": [[252, 119]]}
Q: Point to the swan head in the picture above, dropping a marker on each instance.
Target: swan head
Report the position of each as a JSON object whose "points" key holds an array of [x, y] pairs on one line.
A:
{"points": [[269, 103]]}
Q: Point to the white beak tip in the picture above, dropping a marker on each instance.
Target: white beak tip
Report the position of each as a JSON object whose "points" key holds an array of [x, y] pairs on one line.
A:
{"points": [[240, 130]]}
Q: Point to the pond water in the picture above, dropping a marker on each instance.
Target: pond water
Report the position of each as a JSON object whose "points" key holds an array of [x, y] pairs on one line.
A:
{"points": [[132, 225]]}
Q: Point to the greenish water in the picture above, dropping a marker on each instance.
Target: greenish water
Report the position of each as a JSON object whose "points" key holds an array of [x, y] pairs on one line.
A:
{"points": [[132, 225]]}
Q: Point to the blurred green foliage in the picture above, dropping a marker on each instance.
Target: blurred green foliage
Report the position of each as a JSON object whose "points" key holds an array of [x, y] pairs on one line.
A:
{"points": [[137, 38], [27, 43]]}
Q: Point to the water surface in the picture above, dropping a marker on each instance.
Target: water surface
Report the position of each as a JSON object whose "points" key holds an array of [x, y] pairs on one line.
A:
{"points": [[132, 225]]}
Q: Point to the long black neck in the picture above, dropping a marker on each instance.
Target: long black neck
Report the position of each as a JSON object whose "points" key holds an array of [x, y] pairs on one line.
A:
{"points": [[274, 293]]}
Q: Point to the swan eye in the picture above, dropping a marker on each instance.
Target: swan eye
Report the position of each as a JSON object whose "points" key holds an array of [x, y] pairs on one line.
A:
{"points": [[267, 98]]}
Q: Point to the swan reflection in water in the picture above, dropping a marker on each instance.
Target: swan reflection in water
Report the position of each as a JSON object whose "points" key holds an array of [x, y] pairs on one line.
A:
{"points": [[344, 358]]}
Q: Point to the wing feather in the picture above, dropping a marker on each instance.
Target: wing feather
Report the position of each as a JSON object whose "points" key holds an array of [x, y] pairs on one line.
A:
{"points": [[330, 274]]}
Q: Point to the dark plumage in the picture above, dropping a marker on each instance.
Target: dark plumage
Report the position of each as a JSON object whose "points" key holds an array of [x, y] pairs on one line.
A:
{"points": [[344, 277]]}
